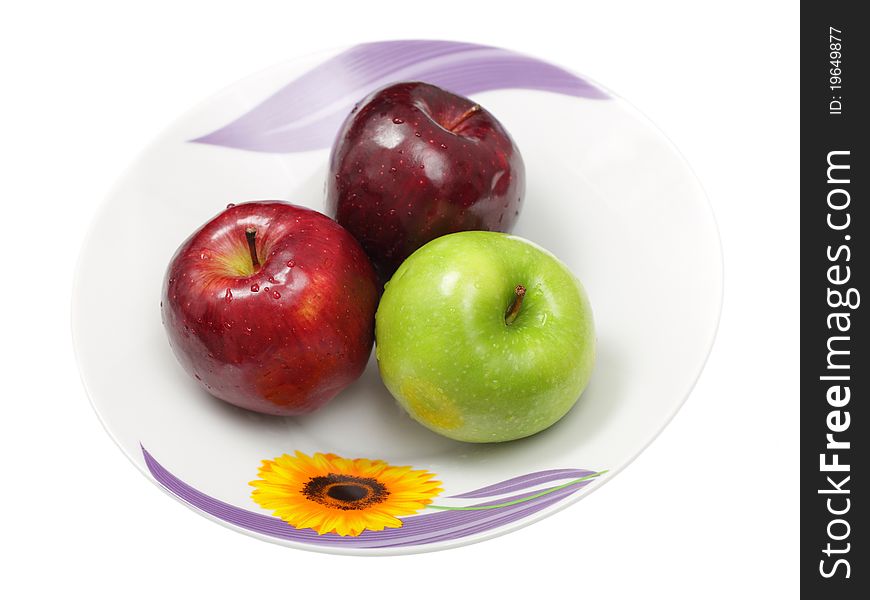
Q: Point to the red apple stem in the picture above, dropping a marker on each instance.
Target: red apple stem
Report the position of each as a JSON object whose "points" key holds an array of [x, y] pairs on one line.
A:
{"points": [[511, 315], [468, 113], [251, 235]]}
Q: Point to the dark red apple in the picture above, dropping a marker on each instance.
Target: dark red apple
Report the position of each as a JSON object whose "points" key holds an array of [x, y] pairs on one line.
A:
{"points": [[270, 306], [413, 162]]}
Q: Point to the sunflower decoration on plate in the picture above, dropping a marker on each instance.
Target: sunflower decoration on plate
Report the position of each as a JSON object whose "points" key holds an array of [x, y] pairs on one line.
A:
{"points": [[331, 494]]}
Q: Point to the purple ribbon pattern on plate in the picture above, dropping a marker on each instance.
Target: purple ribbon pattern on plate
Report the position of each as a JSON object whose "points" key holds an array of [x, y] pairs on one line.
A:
{"points": [[306, 113], [418, 530]]}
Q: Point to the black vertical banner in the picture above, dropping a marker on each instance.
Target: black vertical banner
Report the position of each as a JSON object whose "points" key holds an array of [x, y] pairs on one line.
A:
{"points": [[835, 367]]}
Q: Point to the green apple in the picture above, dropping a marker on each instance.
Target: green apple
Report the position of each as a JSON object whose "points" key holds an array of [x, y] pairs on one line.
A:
{"points": [[485, 337]]}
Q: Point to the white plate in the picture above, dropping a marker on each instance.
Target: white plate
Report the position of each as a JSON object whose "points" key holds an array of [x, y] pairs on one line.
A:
{"points": [[607, 193]]}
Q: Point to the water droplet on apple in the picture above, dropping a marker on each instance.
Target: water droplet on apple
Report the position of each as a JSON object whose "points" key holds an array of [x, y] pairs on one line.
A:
{"points": [[272, 279], [197, 376], [230, 205], [228, 296], [203, 255], [398, 121], [392, 211], [393, 169], [418, 134], [291, 263], [228, 325], [444, 146], [255, 288]]}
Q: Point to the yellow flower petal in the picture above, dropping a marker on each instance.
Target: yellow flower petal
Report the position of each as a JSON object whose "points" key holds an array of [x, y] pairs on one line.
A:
{"points": [[331, 494]]}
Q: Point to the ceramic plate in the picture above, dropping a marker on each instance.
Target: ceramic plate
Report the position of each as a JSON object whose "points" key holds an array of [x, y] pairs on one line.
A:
{"points": [[606, 192]]}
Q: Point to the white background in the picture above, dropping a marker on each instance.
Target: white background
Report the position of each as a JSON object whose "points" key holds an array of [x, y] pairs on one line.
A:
{"points": [[710, 510]]}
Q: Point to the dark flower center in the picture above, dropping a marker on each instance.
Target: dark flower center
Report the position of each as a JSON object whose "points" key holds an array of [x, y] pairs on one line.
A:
{"points": [[348, 493], [345, 492]]}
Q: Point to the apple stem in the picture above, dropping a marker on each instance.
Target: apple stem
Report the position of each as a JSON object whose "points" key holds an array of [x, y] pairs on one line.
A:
{"points": [[511, 315], [473, 110], [251, 234]]}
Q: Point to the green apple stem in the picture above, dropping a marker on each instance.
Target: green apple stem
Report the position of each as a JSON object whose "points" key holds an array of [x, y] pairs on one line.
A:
{"points": [[514, 309], [474, 109], [251, 234]]}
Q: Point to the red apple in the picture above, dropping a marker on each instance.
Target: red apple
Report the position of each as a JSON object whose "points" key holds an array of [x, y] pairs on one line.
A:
{"points": [[270, 306], [413, 162]]}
